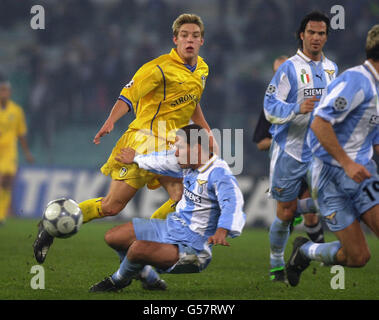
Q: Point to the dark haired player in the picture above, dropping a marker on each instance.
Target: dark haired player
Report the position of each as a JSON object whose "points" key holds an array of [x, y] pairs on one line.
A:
{"points": [[290, 99], [209, 211]]}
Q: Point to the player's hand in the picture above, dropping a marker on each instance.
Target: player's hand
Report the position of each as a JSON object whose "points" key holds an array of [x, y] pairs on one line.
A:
{"points": [[105, 129], [308, 105], [219, 237], [126, 155], [356, 171]]}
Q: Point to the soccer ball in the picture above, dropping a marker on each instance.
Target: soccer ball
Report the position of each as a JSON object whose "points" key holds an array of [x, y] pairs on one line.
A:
{"points": [[62, 218]]}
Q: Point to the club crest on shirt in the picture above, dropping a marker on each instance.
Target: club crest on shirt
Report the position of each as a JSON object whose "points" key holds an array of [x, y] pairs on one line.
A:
{"points": [[330, 74], [201, 183], [304, 77]]}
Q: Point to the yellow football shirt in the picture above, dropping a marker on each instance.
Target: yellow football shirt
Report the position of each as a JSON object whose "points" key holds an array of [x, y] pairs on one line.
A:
{"points": [[164, 93], [12, 126]]}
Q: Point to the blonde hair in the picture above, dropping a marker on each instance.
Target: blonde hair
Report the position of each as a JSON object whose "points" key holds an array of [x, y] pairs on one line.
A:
{"points": [[372, 37], [187, 18]]}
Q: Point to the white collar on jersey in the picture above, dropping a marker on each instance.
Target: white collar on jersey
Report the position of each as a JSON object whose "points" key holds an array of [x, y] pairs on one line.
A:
{"points": [[206, 165], [307, 59], [372, 69]]}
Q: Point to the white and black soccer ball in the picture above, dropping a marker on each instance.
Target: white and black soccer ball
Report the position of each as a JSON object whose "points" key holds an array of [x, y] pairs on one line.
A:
{"points": [[62, 218]]}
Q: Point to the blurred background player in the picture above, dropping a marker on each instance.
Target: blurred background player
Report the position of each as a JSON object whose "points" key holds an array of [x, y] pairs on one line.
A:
{"points": [[288, 104], [12, 129], [164, 95], [344, 175], [210, 210], [262, 136]]}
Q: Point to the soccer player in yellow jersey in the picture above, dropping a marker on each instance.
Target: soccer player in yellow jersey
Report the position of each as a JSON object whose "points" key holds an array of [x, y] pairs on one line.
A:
{"points": [[12, 130], [164, 95]]}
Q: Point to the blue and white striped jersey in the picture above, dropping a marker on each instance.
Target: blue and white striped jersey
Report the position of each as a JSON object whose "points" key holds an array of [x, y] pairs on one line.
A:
{"points": [[297, 79], [351, 106], [211, 196]]}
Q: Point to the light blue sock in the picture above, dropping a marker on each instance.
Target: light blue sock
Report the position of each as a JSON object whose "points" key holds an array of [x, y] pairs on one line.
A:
{"points": [[127, 271], [149, 275], [306, 205], [279, 233], [324, 252], [121, 255]]}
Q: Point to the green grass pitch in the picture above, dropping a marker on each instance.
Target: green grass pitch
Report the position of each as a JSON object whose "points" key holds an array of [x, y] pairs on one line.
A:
{"points": [[238, 272]]}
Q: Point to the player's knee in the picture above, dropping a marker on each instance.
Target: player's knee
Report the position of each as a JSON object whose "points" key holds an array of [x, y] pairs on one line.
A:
{"points": [[110, 238], [286, 215], [176, 194], [136, 252], [286, 210]]}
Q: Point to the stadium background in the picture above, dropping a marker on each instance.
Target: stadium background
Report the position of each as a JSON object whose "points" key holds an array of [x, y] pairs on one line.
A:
{"points": [[68, 76]]}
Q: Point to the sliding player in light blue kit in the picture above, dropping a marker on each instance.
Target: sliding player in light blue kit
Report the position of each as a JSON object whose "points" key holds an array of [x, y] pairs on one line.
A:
{"points": [[209, 211], [288, 104], [344, 178]]}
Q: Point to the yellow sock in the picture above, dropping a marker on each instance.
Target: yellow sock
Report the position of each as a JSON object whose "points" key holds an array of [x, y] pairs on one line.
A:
{"points": [[5, 201], [91, 209], [162, 212]]}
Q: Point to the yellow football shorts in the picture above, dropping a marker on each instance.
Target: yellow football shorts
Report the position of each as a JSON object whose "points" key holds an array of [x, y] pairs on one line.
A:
{"points": [[8, 162], [130, 173]]}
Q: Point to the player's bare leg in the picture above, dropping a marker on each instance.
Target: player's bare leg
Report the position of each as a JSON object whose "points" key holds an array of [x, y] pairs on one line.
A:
{"points": [[351, 250], [354, 251], [6, 182], [121, 237], [371, 219], [120, 193], [174, 188], [160, 255]]}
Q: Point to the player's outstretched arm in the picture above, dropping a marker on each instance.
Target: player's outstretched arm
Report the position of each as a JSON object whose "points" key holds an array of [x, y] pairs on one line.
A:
{"points": [[25, 148], [219, 237], [118, 110], [325, 134], [163, 162]]}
